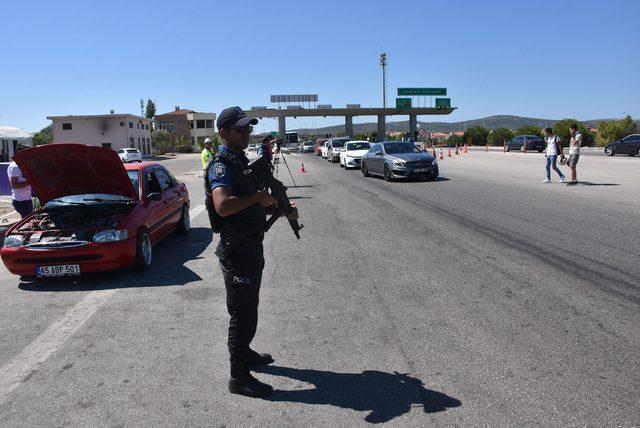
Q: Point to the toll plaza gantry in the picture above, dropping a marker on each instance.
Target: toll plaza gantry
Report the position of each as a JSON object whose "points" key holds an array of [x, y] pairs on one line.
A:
{"points": [[348, 114]]}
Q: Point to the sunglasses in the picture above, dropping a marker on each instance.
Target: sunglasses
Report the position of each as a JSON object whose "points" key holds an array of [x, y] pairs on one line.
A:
{"points": [[243, 129]]}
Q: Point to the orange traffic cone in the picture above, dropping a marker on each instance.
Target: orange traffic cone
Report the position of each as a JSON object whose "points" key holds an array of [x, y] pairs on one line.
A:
{"points": [[441, 157], [449, 152], [302, 168]]}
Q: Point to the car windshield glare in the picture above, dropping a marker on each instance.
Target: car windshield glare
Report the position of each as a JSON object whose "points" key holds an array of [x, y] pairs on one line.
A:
{"points": [[398, 148], [337, 144], [358, 146]]}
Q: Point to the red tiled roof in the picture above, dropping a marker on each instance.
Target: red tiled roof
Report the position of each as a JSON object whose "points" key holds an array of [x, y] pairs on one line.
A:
{"points": [[180, 112]]}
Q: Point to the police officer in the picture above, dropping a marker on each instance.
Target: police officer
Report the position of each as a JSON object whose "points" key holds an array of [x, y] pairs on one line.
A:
{"points": [[206, 152], [265, 148], [237, 210]]}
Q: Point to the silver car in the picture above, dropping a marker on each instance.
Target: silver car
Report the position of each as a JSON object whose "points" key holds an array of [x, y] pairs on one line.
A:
{"points": [[399, 159]]}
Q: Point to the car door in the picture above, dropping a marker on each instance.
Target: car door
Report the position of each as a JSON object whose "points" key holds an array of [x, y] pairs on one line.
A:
{"points": [[156, 209], [377, 160], [171, 199]]}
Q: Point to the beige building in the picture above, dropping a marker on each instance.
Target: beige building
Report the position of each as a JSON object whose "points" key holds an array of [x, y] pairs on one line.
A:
{"points": [[115, 131], [187, 123]]}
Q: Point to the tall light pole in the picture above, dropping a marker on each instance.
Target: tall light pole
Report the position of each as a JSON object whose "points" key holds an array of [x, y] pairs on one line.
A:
{"points": [[383, 63]]}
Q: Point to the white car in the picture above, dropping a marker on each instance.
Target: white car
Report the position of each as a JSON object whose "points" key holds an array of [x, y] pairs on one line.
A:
{"points": [[130, 155], [334, 148], [325, 148], [352, 153]]}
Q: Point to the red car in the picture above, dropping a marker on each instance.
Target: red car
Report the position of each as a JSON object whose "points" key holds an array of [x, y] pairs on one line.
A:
{"points": [[97, 214], [319, 143]]}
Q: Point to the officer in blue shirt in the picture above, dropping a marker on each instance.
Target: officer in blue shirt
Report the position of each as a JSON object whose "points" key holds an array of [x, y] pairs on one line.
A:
{"points": [[237, 210], [265, 148]]}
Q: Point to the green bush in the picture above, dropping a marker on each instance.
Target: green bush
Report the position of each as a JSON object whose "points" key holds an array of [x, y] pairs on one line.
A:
{"points": [[529, 130], [183, 145], [561, 129], [499, 136], [615, 130]]}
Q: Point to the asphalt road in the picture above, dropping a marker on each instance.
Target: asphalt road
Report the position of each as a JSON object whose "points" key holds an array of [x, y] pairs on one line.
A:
{"points": [[484, 298]]}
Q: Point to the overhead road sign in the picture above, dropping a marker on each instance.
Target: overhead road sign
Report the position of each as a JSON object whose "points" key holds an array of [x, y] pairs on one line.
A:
{"points": [[403, 103], [324, 106], [421, 91], [442, 103], [353, 105], [309, 98]]}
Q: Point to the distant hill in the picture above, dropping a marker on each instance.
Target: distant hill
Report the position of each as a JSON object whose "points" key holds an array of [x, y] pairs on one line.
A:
{"points": [[491, 123]]}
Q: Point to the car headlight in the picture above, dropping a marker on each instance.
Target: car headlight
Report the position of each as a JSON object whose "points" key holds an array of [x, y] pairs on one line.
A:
{"points": [[435, 162], [110, 236], [398, 162], [13, 241]]}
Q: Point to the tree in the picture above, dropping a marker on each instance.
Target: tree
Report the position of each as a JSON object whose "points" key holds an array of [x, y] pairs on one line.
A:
{"points": [[183, 144], [615, 130], [529, 130], [561, 129], [161, 141], [150, 110], [499, 136], [44, 136], [477, 134], [455, 140]]}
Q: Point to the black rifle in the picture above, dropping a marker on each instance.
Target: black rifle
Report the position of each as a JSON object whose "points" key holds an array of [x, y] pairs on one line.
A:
{"points": [[262, 171]]}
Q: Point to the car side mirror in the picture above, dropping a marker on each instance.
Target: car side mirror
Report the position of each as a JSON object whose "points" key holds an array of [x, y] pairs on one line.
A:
{"points": [[154, 196]]}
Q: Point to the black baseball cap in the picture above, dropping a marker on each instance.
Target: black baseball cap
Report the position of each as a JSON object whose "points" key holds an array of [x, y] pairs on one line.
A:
{"points": [[234, 116]]}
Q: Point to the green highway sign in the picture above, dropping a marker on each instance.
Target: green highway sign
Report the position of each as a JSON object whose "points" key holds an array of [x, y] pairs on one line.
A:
{"points": [[403, 103], [421, 91], [443, 102]]}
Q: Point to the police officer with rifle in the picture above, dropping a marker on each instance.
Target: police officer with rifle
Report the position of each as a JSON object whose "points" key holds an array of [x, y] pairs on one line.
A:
{"points": [[238, 201]]}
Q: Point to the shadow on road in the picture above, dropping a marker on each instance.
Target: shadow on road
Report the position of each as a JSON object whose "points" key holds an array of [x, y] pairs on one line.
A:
{"points": [[588, 183], [384, 395], [167, 268]]}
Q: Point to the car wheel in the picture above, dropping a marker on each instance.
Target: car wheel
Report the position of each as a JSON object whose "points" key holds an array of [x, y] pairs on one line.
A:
{"points": [[144, 252], [387, 173], [184, 225], [540, 150], [609, 151], [638, 152], [365, 171]]}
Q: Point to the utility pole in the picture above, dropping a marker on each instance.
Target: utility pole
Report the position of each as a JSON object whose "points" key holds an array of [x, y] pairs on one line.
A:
{"points": [[383, 63]]}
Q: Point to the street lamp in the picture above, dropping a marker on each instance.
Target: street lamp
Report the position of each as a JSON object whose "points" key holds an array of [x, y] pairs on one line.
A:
{"points": [[383, 63]]}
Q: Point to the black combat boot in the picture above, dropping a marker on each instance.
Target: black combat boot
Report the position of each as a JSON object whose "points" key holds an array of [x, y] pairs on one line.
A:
{"points": [[256, 359], [243, 383]]}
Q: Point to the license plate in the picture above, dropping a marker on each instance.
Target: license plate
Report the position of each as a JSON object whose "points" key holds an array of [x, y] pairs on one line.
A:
{"points": [[60, 270], [422, 169]]}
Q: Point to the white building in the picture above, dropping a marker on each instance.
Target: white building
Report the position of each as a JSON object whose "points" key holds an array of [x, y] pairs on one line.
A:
{"points": [[115, 131], [10, 139], [202, 126]]}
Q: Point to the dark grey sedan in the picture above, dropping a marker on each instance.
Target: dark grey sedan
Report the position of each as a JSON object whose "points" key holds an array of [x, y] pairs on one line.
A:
{"points": [[399, 159]]}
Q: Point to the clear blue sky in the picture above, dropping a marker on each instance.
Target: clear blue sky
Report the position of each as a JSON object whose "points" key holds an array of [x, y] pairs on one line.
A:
{"points": [[548, 59]]}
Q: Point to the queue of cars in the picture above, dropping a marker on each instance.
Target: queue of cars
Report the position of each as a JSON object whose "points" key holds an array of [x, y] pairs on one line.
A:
{"points": [[389, 159]]}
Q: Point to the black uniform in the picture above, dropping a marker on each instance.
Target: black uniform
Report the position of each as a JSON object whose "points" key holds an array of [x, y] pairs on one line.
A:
{"points": [[240, 253]]}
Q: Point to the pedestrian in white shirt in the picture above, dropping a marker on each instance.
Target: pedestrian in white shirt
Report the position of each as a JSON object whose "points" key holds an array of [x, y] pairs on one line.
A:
{"points": [[20, 190], [574, 152], [553, 150]]}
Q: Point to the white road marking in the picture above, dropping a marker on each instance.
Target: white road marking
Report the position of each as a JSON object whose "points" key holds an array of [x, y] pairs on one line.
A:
{"points": [[196, 211], [34, 354], [9, 214], [13, 374]]}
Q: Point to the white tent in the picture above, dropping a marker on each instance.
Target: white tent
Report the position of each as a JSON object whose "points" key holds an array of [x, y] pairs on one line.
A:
{"points": [[10, 139]]}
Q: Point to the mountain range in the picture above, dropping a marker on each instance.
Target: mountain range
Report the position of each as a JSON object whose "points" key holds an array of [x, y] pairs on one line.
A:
{"points": [[490, 122]]}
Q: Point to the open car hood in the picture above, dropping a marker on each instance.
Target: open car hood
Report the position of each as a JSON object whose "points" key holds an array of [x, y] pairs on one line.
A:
{"points": [[56, 170]]}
